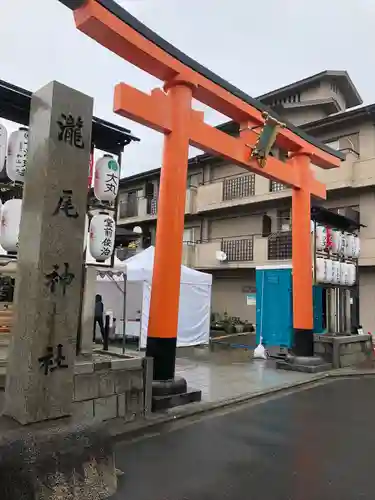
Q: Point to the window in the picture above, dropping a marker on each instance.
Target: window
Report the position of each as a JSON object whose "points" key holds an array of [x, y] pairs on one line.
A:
{"points": [[188, 237], [276, 186], [284, 220]]}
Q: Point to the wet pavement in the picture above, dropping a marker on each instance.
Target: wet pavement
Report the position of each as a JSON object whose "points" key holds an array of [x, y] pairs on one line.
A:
{"points": [[223, 372], [314, 444]]}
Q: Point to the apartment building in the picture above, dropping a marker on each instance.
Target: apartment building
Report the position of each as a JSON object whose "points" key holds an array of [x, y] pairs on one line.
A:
{"points": [[248, 217]]}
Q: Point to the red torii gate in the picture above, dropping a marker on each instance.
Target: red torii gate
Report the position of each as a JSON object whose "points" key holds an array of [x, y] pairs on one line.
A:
{"points": [[169, 111]]}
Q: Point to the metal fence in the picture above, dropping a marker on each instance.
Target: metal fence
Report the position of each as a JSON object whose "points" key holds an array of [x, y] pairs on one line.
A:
{"points": [[239, 187], [238, 250], [280, 246]]}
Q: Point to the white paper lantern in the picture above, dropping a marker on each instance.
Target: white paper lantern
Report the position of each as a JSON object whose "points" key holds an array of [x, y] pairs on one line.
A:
{"points": [[336, 241], [328, 264], [17, 155], [352, 272], [357, 247], [320, 271], [343, 243], [336, 272], [10, 225], [102, 236], [107, 178], [321, 237], [348, 251], [344, 275], [3, 146]]}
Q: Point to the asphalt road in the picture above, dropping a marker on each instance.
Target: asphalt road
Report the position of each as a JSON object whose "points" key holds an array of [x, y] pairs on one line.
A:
{"points": [[315, 444]]}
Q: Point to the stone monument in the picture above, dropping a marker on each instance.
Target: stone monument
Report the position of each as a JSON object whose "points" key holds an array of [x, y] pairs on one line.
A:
{"points": [[49, 277]]}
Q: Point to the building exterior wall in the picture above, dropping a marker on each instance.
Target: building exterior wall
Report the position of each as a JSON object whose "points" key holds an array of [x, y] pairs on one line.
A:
{"points": [[229, 295]]}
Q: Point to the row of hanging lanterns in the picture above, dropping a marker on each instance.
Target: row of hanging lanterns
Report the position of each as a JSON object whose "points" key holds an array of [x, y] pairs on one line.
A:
{"points": [[102, 228], [334, 272], [340, 243], [103, 225]]}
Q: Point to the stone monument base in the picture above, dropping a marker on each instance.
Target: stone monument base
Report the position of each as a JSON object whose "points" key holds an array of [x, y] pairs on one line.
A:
{"points": [[108, 386]]}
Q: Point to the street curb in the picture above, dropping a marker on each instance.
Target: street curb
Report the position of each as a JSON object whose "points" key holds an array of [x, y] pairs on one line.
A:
{"points": [[120, 429]]}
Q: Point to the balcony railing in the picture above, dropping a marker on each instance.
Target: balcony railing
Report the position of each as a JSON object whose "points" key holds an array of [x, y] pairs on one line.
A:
{"points": [[275, 186], [280, 246], [238, 249], [238, 187]]}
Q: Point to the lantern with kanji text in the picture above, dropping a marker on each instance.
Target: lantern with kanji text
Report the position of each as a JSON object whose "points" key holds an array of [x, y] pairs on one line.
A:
{"points": [[107, 178], [102, 236], [17, 155]]}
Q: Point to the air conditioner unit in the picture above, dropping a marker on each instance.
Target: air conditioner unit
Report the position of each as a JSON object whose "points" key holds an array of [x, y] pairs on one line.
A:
{"points": [[221, 256]]}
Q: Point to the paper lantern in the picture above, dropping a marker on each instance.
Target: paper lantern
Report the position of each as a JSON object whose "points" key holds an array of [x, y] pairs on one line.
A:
{"points": [[343, 243], [336, 241], [3, 146], [336, 272], [328, 264], [357, 247], [320, 271], [321, 237], [17, 155], [352, 274], [102, 236], [107, 178], [349, 245], [329, 239], [344, 275], [10, 225]]}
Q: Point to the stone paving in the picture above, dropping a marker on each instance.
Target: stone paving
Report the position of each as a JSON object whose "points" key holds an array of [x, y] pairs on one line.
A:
{"points": [[222, 373]]}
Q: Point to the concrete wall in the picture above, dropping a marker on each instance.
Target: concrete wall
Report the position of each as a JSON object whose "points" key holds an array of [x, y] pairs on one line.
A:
{"points": [[109, 388], [228, 295], [235, 226], [300, 116]]}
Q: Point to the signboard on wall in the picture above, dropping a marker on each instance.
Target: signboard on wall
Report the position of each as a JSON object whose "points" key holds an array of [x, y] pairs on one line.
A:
{"points": [[251, 299]]}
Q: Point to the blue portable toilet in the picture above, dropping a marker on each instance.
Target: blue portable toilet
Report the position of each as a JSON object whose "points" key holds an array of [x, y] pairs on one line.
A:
{"points": [[274, 306]]}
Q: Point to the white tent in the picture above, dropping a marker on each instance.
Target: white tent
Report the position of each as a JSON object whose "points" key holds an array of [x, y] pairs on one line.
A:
{"points": [[195, 298]]}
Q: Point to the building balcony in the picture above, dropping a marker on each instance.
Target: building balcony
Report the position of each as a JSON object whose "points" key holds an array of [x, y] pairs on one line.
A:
{"points": [[243, 251], [250, 188], [352, 173], [144, 209], [236, 191]]}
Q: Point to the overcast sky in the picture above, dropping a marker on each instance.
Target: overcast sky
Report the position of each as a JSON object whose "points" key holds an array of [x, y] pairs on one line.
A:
{"points": [[257, 46]]}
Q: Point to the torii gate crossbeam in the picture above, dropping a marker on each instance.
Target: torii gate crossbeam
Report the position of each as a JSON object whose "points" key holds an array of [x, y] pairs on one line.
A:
{"points": [[169, 111]]}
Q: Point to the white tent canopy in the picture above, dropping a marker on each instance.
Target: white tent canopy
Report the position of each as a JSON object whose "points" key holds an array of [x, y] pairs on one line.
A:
{"points": [[195, 297]]}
